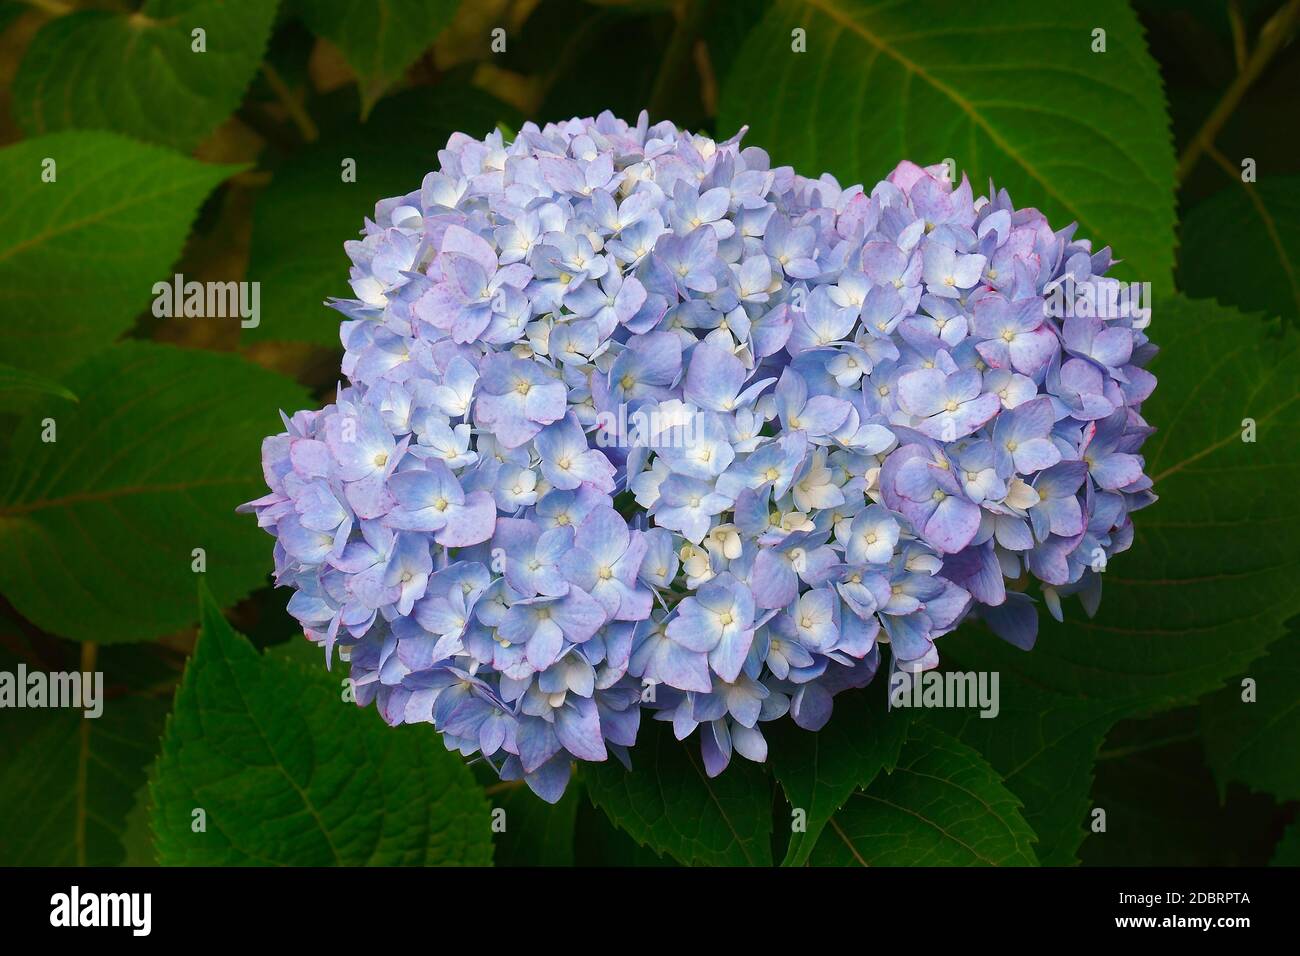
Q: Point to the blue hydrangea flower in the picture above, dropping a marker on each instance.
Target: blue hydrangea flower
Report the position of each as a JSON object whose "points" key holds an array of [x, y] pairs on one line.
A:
{"points": [[635, 422]]}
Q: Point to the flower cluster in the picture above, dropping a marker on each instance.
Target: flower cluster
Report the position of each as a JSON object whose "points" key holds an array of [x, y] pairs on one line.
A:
{"points": [[637, 422]]}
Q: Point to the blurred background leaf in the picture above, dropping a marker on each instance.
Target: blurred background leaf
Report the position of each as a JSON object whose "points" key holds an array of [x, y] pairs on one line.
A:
{"points": [[79, 255], [98, 528], [1242, 247], [379, 38], [1257, 741], [67, 782], [144, 73]]}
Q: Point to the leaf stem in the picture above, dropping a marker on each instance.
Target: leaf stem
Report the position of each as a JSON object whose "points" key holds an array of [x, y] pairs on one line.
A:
{"points": [[306, 126], [677, 59], [1272, 38], [53, 7], [1240, 52], [1265, 217], [1158, 744]]}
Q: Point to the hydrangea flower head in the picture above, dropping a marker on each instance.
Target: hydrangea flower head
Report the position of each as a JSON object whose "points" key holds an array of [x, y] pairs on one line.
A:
{"points": [[638, 426]]}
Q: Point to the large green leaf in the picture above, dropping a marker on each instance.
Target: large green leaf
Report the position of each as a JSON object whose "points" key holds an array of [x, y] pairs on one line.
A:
{"points": [[941, 806], [308, 211], [531, 831], [79, 255], [288, 773], [1242, 247], [818, 771], [1258, 742], [1210, 579], [139, 73], [1161, 806], [669, 804], [68, 782], [1016, 96], [379, 38], [98, 528], [1042, 743], [16, 380]]}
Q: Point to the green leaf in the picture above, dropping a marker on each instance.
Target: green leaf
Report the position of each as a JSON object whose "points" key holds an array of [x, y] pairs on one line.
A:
{"points": [[941, 806], [138, 73], [16, 380], [536, 833], [68, 782], [1242, 247], [379, 38], [1288, 848], [1161, 806], [1018, 97], [287, 773], [137, 838], [1204, 589], [79, 256], [308, 211], [1042, 743], [598, 843], [818, 771], [97, 528], [669, 804], [1210, 578], [1258, 742]]}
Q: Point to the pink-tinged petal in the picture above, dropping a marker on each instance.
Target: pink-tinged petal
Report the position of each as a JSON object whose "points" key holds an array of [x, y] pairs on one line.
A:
{"points": [[603, 533], [728, 657], [579, 615], [715, 747], [1035, 455], [694, 628], [550, 779], [1116, 471], [309, 457], [537, 743], [1032, 351], [471, 523], [749, 743], [1113, 347], [1013, 534], [968, 418], [1064, 516], [714, 377], [459, 240], [823, 414], [546, 402], [914, 480], [1015, 621], [773, 580], [686, 670], [1139, 385], [967, 270], [922, 392], [578, 727], [995, 352], [544, 646], [953, 524], [1049, 561]]}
